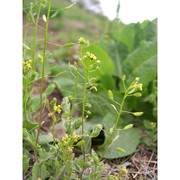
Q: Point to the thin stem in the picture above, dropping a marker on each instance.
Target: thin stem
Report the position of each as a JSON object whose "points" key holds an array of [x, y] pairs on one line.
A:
{"points": [[75, 93], [73, 101], [53, 127], [35, 34], [83, 113], [25, 96], [115, 125], [43, 65], [124, 85], [127, 112], [24, 37]]}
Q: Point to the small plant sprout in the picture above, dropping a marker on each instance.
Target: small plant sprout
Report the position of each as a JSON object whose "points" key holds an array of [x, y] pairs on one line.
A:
{"points": [[122, 172]]}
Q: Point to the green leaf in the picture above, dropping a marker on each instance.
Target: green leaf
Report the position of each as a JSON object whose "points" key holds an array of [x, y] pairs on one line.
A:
{"points": [[29, 125], [114, 107], [66, 82], [109, 120], [80, 143], [127, 140], [100, 103], [124, 34], [29, 138], [55, 14], [35, 171], [39, 171], [142, 63], [25, 163], [35, 103], [49, 89], [95, 157], [77, 123], [97, 129], [71, 5], [68, 45], [45, 139], [26, 47]]}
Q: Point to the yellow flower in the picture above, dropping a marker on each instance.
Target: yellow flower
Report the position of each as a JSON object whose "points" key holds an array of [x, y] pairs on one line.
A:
{"points": [[57, 109], [70, 149], [140, 87], [153, 124], [27, 65], [83, 41], [91, 56]]}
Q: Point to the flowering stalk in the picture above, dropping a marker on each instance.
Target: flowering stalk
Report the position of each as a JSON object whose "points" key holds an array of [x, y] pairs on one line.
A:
{"points": [[130, 91], [42, 74], [27, 66], [35, 33]]}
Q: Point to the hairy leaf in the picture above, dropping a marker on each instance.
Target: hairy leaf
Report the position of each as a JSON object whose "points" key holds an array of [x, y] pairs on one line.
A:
{"points": [[124, 141], [142, 63]]}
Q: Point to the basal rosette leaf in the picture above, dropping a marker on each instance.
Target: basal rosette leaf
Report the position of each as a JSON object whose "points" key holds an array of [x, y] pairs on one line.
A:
{"points": [[142, 63], [128, 140]]}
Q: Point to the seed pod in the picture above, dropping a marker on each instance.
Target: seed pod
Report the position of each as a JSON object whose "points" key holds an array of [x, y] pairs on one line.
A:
{"points": [[138, 113], [110, 94]]}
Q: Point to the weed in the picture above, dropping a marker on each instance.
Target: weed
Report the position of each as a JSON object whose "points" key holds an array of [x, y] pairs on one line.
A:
{"points": [[45, 155]]}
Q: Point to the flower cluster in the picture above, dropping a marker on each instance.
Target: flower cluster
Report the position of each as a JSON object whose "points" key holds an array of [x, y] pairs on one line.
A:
{"points": [[83, 41], [57, 108], [135, 86], [69, 140], [27, 65], [91, 56], [153, 124]]}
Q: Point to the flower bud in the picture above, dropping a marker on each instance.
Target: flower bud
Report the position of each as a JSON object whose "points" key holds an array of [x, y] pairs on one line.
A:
{"points": [[137, 94], [129, 126], [124, 77]]}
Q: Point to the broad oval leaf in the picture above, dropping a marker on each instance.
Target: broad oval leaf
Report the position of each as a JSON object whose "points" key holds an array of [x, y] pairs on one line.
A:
{"points": [[142, 62], [125, 141]]}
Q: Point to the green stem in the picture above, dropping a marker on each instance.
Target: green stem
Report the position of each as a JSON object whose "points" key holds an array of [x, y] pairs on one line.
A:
{"points": [[43, 65], [75, 93], [73, 101], [83, 114], [35, 35], [24, 37], [115, 125], [53, 127], [26, 95]]}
